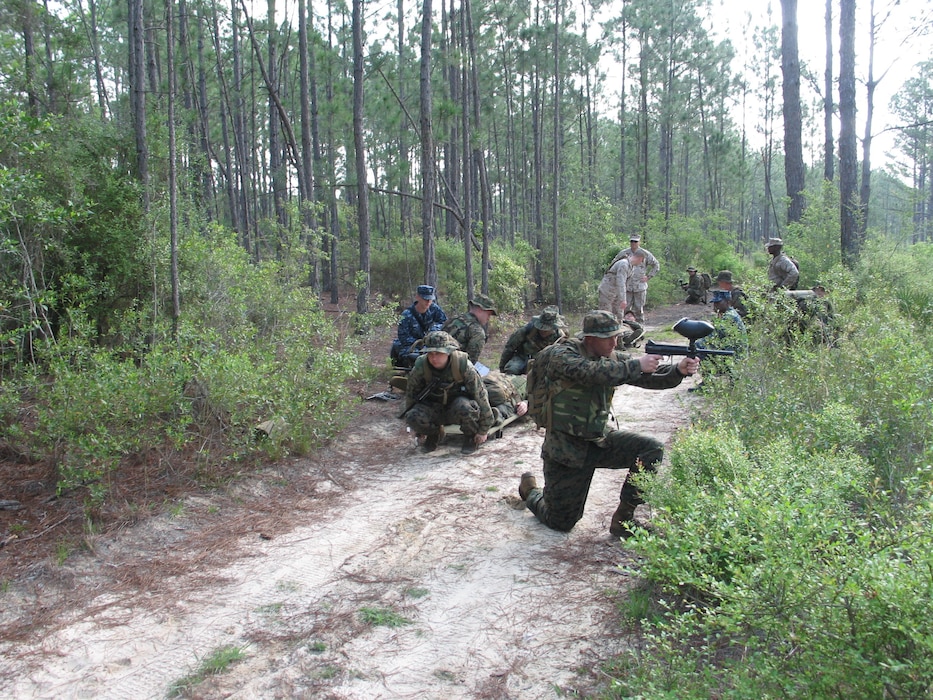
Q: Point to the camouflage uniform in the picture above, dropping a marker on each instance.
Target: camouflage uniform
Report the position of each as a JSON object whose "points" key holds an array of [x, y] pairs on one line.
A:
{"points": [[579, 441], [467, 330], [412, 327], [694, 288], [505, 392], [527, 341], [463, 401]]}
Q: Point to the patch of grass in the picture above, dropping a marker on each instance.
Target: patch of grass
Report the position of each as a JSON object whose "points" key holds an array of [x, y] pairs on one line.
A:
{"points": [[317, 647], [416, 592], [492, 489], [270, 609], [17, 529], [177, 509], [218, 662], [62, 550], [382, 617], [445, 675]]}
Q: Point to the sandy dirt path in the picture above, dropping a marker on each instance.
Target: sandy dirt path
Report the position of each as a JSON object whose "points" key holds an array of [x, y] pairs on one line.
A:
{"points": [[491, 603]]}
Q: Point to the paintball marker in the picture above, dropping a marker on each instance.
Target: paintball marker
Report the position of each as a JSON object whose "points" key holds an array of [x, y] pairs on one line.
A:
{"points": [[693, 330]]}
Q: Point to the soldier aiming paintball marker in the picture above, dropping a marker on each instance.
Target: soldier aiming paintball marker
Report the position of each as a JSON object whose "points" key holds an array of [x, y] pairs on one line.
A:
{"points": [[693, 330]]}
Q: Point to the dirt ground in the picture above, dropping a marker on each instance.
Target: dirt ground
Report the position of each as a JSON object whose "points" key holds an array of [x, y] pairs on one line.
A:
{"points": [[371, 570]]}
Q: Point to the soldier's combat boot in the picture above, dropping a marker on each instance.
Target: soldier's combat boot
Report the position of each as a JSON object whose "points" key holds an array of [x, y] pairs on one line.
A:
{"points": [[431, 441], [525, 486], [469, 446], [623, 520]]}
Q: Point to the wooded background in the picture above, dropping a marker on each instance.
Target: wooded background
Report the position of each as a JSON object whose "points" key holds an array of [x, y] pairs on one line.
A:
{"points": [[323, 133]]}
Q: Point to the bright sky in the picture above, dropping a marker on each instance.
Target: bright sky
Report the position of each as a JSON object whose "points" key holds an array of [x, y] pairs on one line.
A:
{"points": [[898, 49]]}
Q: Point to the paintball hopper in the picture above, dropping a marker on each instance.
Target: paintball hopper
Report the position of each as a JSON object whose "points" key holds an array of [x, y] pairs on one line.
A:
{"points": [[692, 330]]}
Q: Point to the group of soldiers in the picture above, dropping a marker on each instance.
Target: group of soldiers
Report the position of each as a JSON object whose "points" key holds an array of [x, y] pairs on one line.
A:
{"points": [[446, 385]]}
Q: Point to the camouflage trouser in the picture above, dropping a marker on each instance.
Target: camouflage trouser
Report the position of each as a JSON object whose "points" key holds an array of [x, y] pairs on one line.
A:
{"points": [[427, 418], [636, 303], [560, 504]]}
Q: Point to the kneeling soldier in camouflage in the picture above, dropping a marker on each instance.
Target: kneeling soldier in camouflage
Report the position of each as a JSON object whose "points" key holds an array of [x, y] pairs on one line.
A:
{"points": [[444, 388], [584, 372]]}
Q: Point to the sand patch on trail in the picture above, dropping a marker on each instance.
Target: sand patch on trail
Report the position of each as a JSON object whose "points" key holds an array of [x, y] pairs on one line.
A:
{"points": [[490, 603]]}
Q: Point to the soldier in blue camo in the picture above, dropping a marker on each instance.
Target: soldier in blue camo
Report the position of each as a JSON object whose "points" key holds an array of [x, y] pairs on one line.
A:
{"points": [[456, 395], [578, 441], [469, 329], [525, 343]]}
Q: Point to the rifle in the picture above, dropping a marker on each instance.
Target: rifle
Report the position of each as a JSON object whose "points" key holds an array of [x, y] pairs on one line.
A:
{"points": [[693, 330], [423, 394]]}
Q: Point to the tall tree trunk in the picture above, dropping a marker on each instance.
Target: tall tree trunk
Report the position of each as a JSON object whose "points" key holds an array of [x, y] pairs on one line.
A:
{"points": [[428, 186], [231, 169], [137, 75], [793, 122], [537, 135], [362, 205], [865, 190], [404, 164], [466, 161], [307, 151], [555, 190], [334, 232], [479, 163], [172, 168], [241, 148], [848, 165], [829, 154]]}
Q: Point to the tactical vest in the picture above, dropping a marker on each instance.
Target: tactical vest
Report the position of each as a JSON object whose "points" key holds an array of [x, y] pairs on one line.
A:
{"points": [[581, 411], [444, 391]]}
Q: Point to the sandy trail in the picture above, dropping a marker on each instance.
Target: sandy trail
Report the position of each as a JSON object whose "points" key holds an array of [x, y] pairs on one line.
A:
{"points": [[494, 605]]}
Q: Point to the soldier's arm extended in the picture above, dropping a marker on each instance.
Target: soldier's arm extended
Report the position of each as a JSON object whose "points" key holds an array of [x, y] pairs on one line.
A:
{"points": [[511, 347]]}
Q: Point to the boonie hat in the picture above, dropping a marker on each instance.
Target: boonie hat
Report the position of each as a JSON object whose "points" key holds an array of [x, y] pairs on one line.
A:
{"points": [[691, 269], [774, 241], [601, 324], [484, 302], [440, 341], [724, 276], [426, 291], [549, 320]]}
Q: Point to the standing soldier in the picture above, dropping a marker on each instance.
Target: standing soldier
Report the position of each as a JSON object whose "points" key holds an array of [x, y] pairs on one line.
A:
{"points": [[530, 339], [637, 289], [782, 272], [470, 329], [444, 388], [583, 373]]}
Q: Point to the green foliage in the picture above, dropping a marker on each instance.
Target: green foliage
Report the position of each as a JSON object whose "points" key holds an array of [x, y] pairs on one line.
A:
{"points": [[219, 661], [382, 617], [794, 554]]}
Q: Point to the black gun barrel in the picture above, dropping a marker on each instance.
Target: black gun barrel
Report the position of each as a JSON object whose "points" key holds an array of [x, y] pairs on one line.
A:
{"points": [[653, 348]]}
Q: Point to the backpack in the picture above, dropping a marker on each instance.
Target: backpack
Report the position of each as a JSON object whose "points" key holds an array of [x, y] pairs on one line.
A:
{"points": [[541, 390], [706, 281]]}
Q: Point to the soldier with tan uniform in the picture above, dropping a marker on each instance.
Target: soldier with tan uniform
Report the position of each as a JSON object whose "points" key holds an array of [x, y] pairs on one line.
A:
{"points": [[584, 372], [637, 289]]}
